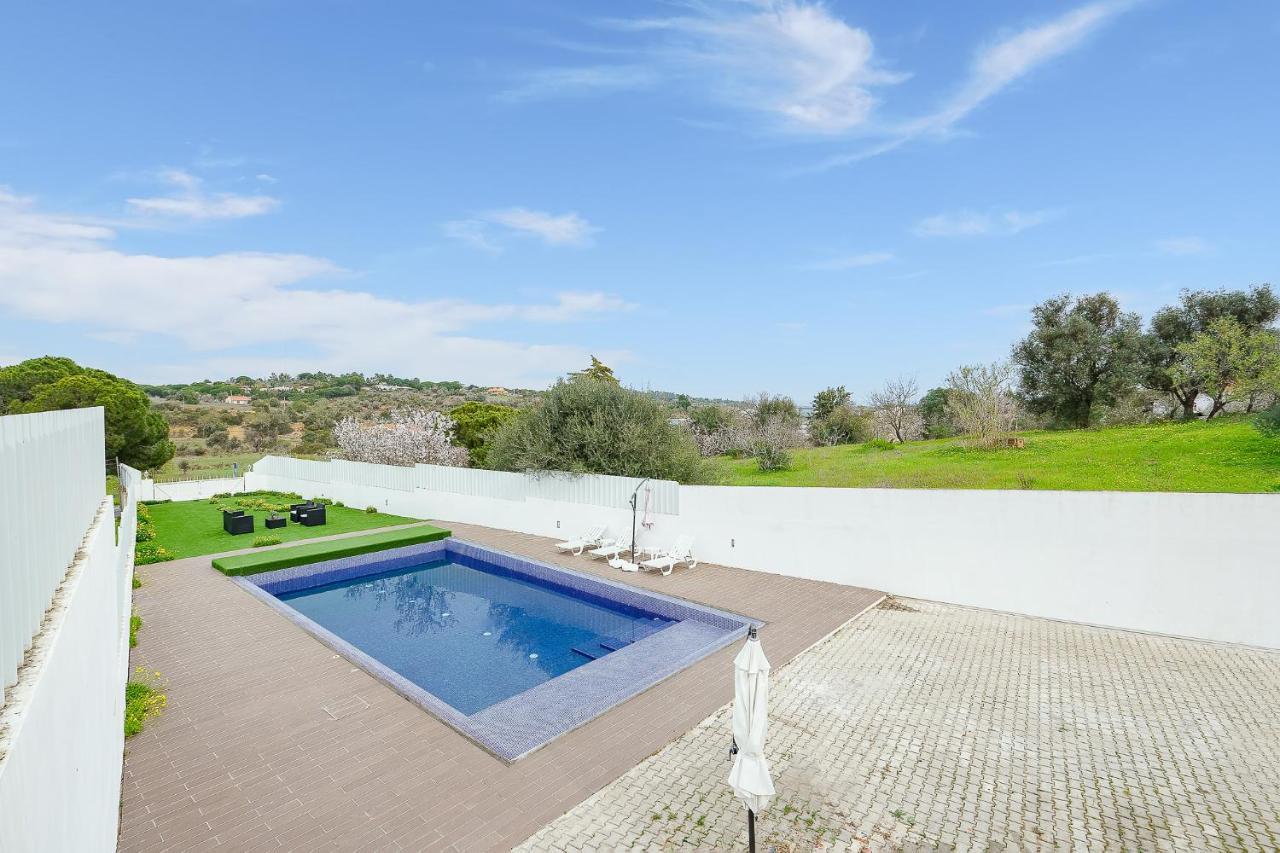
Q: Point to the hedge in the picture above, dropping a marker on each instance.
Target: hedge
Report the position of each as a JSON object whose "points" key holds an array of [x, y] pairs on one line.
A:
{"points": [[316, 552]]}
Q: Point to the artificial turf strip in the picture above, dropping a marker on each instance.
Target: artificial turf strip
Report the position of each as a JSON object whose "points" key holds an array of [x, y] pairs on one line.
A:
{"points": [[315, 552]]}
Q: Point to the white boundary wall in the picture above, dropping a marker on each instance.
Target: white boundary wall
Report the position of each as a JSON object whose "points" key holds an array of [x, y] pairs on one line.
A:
{"points": [[62, 725], [188, 490], [1194, 565]]}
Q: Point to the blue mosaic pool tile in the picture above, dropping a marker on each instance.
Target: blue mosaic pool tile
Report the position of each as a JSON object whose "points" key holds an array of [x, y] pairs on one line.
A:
{"points": [[520, 724]]}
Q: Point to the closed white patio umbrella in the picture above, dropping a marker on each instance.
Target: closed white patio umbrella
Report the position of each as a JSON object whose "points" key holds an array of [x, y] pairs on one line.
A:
{"points": [[749, 777]]}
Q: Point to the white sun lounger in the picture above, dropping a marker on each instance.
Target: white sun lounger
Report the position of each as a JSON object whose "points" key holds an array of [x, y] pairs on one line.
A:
{"points": [[681, 552], [611, 550], [590, 539]]}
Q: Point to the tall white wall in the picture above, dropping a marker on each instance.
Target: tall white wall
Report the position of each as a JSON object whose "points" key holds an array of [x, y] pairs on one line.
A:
{"points": [[60, 773], [52, 478], [1195, 565], [62, 573]]}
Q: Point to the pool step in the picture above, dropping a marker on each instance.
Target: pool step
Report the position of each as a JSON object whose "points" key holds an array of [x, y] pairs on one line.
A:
{"points": [[606, 646]]}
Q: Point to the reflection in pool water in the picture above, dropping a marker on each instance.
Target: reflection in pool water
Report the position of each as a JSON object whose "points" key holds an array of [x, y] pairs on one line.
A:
{"points": [[466, 632]]}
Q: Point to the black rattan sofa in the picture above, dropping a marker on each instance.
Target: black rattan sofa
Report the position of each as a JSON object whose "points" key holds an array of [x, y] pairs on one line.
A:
{"points": [[312, 515], [237, 522]]}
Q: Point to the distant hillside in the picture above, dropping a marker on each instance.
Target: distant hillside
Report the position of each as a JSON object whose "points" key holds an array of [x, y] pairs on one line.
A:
{"points": [[216, 424], [383, 387], [329, 386]]}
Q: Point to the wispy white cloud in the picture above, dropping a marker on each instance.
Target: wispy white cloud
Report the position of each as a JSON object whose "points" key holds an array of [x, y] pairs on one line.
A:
{"points": [[806, 67], [794, 61], [471, 232], [993, 69], [220, 308], [575, 305], [482, 230], [969, 223], [848, 262], [190, 200], [565, 229], [21, 225], [1184, 246], [1007, 60], [545, 83]]}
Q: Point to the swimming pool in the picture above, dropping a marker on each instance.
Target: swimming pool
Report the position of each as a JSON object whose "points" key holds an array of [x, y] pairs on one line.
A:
{"points": [[511, 652]]}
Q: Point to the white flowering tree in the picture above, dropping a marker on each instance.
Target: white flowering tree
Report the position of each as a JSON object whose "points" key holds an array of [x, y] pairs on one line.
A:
{"points": [[407, 437]]}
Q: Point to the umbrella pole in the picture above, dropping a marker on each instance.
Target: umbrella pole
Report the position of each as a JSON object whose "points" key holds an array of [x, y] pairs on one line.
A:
{"points": [[751, 831]]}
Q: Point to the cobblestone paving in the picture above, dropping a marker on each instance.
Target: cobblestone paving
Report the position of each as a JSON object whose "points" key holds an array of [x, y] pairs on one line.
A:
{"points": [[921, 726]]}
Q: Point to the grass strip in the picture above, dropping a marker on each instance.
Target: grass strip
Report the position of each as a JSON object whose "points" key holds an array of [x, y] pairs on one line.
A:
{"points": [[315, 552]]}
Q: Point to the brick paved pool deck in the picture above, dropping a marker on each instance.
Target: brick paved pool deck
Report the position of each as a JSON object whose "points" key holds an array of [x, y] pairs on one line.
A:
{"points": [[270, 741], [922, 726]]}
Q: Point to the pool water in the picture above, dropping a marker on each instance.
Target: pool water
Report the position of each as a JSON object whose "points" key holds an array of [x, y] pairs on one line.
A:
{"points": [[468, 632]]}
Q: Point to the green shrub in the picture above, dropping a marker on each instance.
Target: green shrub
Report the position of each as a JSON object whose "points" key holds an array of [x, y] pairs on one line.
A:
{"points": [[841, 425], [135, 622], [772, 457], [371, 509], [1268, 422], [151, 552], [264, 541], [594, 426], [338, 503], [879, 444], [259, 501]]}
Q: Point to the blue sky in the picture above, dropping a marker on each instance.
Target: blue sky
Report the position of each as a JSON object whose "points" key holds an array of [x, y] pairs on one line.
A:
{"points": [[716, 197]]}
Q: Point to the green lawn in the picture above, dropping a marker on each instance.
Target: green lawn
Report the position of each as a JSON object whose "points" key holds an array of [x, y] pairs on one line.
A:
{"points": [[189, 528], [1222, 455]]}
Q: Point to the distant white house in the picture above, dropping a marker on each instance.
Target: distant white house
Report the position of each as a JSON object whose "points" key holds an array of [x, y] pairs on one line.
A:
{"points": [[238, 400], [383, 386]]}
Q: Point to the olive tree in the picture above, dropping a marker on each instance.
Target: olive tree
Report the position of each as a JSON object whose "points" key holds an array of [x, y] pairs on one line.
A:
{"points": [[1081, 354], [1173, 326], [1228, 362]]}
